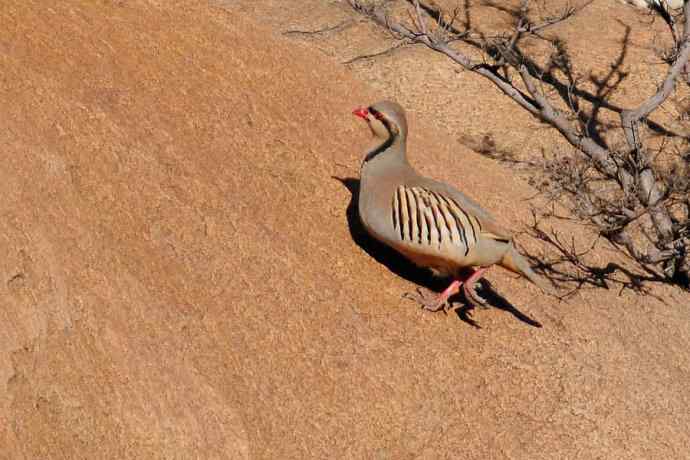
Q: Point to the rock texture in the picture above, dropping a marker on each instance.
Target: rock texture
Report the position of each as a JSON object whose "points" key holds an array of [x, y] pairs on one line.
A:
{"points": [[162, 164]]}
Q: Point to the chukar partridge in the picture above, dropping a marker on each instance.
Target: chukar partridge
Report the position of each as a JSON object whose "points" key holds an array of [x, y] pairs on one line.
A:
{"points": [[429, 222]]}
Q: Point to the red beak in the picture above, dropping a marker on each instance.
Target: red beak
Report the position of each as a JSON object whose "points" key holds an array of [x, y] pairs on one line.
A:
{"points": [[361, 112]]}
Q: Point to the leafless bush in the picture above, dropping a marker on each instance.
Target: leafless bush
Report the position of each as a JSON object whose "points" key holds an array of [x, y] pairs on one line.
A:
{"points": [[639, 204]]}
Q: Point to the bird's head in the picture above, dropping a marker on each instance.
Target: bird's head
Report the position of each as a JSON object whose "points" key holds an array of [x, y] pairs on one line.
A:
{"points": [[386, 119]]}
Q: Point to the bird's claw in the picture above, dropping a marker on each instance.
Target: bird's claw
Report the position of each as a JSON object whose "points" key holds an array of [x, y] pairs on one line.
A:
{"points": [[429, 303]]}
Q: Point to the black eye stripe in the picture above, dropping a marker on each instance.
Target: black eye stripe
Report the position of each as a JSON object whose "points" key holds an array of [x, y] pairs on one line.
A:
{"points": [[375, 113]]}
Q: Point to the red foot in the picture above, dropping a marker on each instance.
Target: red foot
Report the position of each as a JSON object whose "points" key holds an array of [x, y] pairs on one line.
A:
{"points": [[439, 302]]}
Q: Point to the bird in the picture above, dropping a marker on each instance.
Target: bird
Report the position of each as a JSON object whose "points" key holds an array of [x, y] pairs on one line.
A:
{"points": [[429, 222]]}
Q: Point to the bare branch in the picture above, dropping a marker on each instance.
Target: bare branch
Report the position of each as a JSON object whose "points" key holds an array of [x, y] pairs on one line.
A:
{"points": [[601, 157], [340, 26], [455, 56], [632, 118], [649, 192]]}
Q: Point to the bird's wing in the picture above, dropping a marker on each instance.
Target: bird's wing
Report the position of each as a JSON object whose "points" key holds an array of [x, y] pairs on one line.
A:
{"points": [[490, 227], [422, 216]]}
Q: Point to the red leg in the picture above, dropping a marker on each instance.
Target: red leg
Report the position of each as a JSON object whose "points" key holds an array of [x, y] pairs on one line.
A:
{"points": [[468, 287], [441, 301], [453, 288]]}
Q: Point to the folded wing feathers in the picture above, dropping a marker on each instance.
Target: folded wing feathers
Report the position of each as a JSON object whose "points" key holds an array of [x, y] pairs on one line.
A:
{"points": [[413, 212], [403, 216], [425, 217]]}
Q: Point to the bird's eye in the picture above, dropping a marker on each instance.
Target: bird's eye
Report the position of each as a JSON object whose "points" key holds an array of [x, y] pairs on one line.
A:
{"points": [[376, 114]]}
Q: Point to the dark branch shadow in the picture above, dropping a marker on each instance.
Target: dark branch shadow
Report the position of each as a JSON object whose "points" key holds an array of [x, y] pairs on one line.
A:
{"points": [[399, 265], [566, 265], [604, 88]]}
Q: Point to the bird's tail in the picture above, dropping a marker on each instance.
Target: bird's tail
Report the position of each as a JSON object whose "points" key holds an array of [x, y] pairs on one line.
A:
{"points": [[515, 262]]}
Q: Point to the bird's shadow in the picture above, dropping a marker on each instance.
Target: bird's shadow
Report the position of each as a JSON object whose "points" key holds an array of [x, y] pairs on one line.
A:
{"points": [[399, 265]]}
